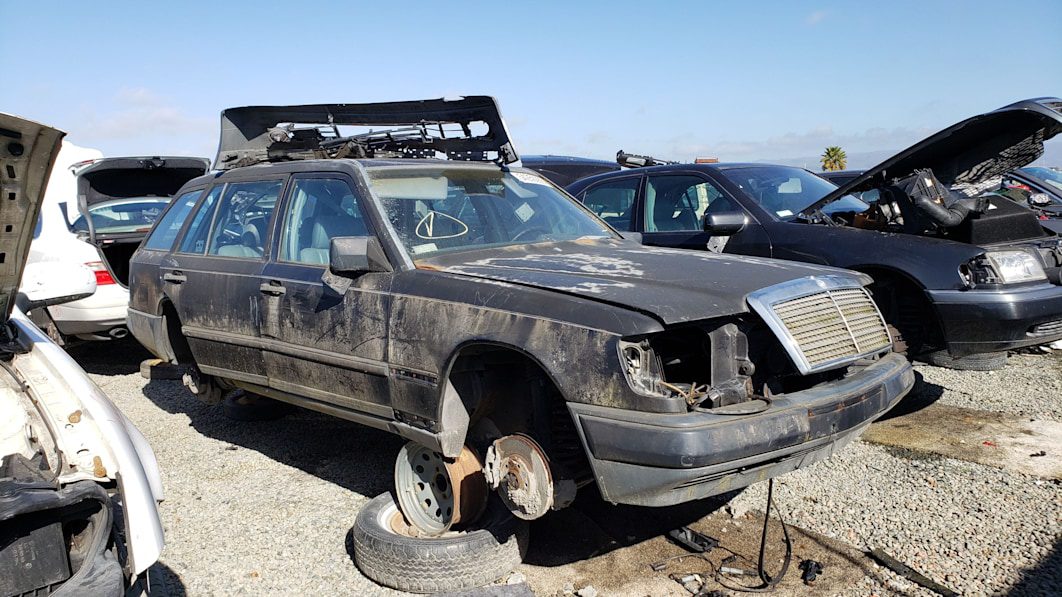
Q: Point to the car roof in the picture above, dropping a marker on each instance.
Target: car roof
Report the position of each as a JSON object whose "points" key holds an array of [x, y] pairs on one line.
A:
{"points": [[712, 167], [340, 165]]}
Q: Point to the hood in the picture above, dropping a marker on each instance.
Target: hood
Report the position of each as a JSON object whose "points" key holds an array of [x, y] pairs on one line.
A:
{"points": [[976, 149], [672, 285], [27, 153]]}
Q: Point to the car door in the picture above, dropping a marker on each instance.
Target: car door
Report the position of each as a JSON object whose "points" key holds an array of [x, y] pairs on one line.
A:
{"points": [[324, 337], [212, 277], [672, 213]]}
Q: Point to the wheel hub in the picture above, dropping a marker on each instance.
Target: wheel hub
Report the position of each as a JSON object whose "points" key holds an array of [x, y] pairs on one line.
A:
{"points": [[518, 469]]}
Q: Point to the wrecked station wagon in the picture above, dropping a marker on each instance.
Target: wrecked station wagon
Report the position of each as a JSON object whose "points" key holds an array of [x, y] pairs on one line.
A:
{"points": [[517, 341]]}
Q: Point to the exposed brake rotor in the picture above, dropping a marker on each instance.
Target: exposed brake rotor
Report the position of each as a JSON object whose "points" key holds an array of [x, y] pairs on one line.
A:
{"points": [[517, 467]]}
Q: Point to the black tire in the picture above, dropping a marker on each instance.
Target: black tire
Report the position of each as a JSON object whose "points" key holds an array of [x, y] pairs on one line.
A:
{"points": [[989, 361], [452, 562], [152, 583], [243, 406]]}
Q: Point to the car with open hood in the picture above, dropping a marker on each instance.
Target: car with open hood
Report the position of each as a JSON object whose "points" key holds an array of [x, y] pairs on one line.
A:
{"points": [[79, 484], [1038, 188], [962, 274], [520, 344], [99, 222]]}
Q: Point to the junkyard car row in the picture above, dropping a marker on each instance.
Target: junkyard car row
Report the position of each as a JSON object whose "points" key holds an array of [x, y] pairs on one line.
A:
{"points": [[646, 339]]}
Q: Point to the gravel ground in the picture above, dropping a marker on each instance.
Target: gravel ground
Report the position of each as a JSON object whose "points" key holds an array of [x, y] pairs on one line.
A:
{"points": [[1029, 385], [266, 508]]}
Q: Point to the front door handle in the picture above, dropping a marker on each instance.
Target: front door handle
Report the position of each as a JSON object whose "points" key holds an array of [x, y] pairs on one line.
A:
{"points": [[176, 277], [272, 288]]}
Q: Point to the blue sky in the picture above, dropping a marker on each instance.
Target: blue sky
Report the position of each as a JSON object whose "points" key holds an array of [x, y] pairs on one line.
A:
{"points": [[736, 80]]}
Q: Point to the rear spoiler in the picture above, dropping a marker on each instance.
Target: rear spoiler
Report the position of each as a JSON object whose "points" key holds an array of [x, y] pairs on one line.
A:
{"points": [[256, 134]]}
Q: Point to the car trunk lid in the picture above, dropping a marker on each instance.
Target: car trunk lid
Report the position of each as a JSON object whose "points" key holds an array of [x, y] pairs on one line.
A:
{"points": [[110, 180]]}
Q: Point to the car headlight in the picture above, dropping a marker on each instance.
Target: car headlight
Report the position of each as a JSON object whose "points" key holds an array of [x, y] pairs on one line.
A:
{"points": [[642, 367], [1011, 267]]}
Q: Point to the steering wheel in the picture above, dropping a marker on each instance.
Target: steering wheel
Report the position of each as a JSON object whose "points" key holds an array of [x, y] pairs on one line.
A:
{"points": [[529, 230]]}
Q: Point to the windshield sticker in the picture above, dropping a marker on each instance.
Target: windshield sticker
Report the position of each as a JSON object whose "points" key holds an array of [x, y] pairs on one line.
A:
{"points": [[524, 212], [784, 213], [425, 248], [438, 225]]}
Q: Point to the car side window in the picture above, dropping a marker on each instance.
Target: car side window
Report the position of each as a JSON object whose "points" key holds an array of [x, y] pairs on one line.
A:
{"points": [[241, 226], [612, 201], [165, 232], [319, 210], [678, 202], [194, 240]]}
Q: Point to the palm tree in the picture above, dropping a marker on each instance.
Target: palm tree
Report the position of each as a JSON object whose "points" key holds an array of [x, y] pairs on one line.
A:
{"points": [[833, 159]]}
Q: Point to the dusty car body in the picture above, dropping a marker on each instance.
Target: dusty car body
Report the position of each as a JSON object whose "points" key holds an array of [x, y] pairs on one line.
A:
{"points": [[78, 482], [458, 304], [100, 225], [939, 284]]}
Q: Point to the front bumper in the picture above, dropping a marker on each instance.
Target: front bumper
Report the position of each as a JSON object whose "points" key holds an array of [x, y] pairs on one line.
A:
{"points": [[979, 321], [655, 459]]}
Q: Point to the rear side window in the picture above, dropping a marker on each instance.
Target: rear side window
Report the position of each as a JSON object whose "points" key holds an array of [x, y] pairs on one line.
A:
{"points": [[241, 226], [320, 209], [612, 202], [162, 237], [194, 240]]}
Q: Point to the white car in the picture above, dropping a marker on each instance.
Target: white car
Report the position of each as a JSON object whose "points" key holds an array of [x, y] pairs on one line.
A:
{"points": [[98, 222], [79, 484]]}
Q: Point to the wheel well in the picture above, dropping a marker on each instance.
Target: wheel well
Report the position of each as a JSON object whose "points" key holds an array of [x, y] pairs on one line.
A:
{"points": [[182, 353], [505, 391], [904, 304]]}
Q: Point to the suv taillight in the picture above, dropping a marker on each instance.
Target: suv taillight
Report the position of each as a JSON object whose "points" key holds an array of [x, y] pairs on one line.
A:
{"points": [[103, 275]]}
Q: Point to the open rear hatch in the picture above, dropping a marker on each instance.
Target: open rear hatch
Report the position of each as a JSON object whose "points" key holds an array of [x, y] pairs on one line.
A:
{"points": [[119, 198]]}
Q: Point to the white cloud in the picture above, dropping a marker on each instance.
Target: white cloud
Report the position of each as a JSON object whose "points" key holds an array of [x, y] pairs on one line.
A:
{"points": [[140, 113], [815, 18]]}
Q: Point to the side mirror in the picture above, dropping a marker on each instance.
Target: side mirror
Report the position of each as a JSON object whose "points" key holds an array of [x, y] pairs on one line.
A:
{"points": [[725, 223], [53, 283], [635, 236], [351, 255]]}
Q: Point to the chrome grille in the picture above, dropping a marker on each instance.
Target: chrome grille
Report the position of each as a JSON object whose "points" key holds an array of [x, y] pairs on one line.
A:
{"points": [[823, 322]]}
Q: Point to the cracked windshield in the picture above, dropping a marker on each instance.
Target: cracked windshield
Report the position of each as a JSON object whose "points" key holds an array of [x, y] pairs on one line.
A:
{"points": [[436, 210]]}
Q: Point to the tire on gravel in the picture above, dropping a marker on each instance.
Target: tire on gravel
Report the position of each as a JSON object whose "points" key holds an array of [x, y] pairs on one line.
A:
{"points": [[452, 562], [989, 361]]}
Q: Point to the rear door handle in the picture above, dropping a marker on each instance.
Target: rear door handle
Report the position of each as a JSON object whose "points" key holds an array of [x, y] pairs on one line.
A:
{"points": [[176, 277], [273, 288]]}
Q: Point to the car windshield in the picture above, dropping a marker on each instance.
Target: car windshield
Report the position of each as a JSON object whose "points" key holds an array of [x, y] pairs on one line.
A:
{"points": [[122, 215], [447, 208], [785, 192], [1049, 176]]}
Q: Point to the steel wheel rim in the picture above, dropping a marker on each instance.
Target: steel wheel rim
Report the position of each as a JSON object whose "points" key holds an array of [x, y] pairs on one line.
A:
{"points": [[425, 492]]}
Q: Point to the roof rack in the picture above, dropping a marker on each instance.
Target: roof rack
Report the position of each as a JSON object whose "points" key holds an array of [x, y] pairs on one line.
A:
{"points": [[632, 160], [422, 129]]}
